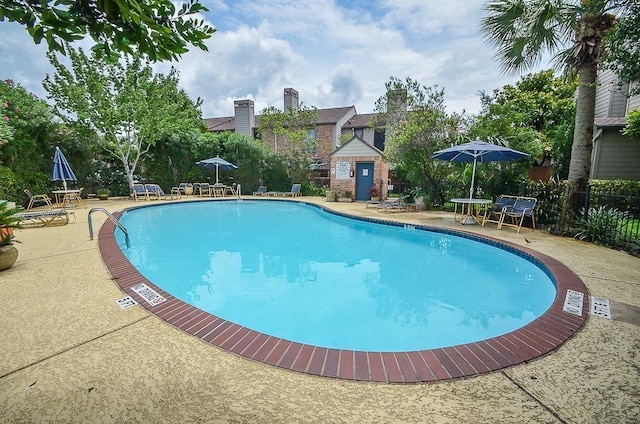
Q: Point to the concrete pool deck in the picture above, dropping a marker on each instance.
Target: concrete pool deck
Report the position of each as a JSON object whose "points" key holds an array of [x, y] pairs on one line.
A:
{"points": [[68, 353]]}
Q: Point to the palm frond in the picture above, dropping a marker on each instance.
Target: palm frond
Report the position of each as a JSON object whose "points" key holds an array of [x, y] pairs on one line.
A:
{"points": [[523, 31]]}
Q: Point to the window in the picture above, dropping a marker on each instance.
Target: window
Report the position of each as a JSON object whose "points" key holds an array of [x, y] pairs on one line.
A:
{"points": [[359, 132]]}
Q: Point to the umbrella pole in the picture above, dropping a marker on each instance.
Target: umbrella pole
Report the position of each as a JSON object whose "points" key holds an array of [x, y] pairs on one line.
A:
{"points": [[216, 174], [473, 178]]}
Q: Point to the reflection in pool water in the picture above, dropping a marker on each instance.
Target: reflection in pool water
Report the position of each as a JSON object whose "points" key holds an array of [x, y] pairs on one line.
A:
{"points": [[300, 273]]}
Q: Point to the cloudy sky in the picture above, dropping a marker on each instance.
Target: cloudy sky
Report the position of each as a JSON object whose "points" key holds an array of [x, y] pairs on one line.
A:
{"points": [[334, 53]]}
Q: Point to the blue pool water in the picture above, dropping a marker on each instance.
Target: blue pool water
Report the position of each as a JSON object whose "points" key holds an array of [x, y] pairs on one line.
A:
{"points": [[298, 272]]}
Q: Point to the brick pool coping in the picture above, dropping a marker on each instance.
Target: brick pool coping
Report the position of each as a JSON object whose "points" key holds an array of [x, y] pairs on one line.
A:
{"points": [[536, 339]]}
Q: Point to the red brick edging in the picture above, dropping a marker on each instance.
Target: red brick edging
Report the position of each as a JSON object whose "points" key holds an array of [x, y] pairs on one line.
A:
{"points": [[538, 338]]}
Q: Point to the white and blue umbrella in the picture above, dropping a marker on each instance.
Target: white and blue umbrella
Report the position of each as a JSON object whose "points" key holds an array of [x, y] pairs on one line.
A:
{"points": [[61, 169], [217, 163], [478, 151]]}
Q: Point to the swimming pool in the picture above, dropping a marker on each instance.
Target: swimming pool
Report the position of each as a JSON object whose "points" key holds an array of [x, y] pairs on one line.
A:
{"points": [[376, 273]]}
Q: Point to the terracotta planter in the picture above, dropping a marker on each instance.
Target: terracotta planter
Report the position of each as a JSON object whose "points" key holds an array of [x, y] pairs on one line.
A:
{"points": [[8, 256]]}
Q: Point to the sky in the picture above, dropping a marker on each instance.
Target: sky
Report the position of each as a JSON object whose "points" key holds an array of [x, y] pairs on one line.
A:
{"points": [[334, 53]]}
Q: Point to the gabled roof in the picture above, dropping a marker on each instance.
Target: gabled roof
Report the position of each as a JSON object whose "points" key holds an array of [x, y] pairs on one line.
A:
{"points": [[359, 121], [220, 124], [358, 140], [325, 116], [333, 115]]}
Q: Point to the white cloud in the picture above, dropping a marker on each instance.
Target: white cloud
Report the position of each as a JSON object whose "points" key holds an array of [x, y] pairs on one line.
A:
{"points": [[335, 53]]}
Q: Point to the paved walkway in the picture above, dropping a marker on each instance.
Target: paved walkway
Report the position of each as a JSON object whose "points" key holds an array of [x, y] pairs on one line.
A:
{"points": [[68, 353]]}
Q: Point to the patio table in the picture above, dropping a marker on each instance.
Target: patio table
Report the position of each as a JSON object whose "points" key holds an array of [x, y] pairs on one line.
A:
{"points": [[468, 217]]}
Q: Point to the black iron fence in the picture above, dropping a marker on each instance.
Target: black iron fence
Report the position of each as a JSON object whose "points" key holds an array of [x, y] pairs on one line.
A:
{"points": [[607, 213]]}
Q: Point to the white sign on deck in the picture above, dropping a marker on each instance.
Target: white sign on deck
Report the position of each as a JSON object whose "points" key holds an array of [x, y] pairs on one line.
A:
{"points": [[126, 302], [600, 307], [147, 293], [573, 302]]}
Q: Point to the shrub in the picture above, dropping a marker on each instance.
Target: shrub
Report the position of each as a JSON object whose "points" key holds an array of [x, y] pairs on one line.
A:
{"points": [[602, 225]]}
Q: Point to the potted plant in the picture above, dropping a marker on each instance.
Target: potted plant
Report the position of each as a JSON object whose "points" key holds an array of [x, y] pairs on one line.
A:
{"points": [[373, 192], [332, 195], [8, 221], [347, 196], [103, 193]]}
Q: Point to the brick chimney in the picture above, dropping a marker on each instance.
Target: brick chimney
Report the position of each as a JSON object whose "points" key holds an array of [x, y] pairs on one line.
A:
{"points": [[245, 118], [290, 99]]}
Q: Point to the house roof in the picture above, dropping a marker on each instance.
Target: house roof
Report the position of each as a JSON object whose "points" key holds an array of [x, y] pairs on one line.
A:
{"points": [[356, 139], [359, 121], [325, 116], [220, 124], [610, 122], [333, 115]]}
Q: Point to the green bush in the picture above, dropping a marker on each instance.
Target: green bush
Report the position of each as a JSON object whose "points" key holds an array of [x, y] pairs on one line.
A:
{"points": [[602, 225]]}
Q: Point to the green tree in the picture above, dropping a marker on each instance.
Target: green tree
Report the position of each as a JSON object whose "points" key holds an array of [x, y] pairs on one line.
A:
{"points": [[291, 136], [128, 106], [622, 46], [535, 113], [26, 142], [524, 30], [152, 27], [420, 127], [632, 129]]}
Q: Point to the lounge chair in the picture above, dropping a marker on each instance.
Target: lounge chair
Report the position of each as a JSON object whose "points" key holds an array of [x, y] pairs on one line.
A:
{"points": [[44, 218], [522, 208], [156, 190], [182, 187], [38, 199], [205, 190], [295, 191], [218, 190], [140, 192], [262, 191], [393, 205], [494, 214]]}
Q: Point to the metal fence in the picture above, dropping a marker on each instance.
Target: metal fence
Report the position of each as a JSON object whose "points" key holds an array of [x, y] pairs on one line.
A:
{"points": [[606, 215]]}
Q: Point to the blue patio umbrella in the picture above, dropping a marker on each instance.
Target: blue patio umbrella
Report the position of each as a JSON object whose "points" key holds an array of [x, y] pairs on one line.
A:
{"points": [[61, 169], [478, 151], [217, 163]]}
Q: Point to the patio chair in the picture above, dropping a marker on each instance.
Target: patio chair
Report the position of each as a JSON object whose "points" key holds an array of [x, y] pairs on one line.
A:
{"points": [[37, 200], [44, 218], [522, 208], [262, 191], [494, 214], [157, 191], [393, 205], [205, 190], [75, 199], [218, 190], [139, 192], [295, 191]]}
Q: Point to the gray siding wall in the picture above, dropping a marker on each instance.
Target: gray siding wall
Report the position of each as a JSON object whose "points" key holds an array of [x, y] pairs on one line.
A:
{"points": [[245, 119], [355, 149], [339, 125], [611, 101], [616, 156], [367, 134]]}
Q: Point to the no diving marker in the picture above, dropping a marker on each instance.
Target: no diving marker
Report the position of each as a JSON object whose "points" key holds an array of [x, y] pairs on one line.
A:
{"points": [[573, 302], [600, 307], [147, 293]]}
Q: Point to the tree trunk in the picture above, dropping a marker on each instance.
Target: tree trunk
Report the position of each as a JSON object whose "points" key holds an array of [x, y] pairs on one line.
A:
{"points": [[580, 164]]}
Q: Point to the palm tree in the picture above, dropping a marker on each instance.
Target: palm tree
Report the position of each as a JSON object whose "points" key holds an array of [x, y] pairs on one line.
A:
{"points": [[523, 30]]}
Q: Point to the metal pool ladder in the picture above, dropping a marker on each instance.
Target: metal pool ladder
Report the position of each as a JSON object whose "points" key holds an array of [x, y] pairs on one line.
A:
{"points": [[113, 219]]}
